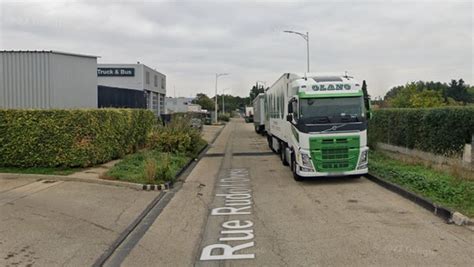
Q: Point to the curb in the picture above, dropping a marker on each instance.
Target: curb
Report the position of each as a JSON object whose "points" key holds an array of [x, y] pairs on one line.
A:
{"points": [[442, 212], [157, 187]]}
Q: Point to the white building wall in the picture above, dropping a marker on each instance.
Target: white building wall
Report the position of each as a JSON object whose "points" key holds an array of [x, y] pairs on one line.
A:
{"points": [[74, 81], [150, 85], [45, 79], [178, 104]]}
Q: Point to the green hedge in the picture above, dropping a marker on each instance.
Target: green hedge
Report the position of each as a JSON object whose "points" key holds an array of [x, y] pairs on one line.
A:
{"points": [[442, 131], [70, 138]]}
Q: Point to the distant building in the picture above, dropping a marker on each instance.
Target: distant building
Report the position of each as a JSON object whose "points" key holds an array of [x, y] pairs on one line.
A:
{"points": [[47, 79], [181, 104], [131, 86]]}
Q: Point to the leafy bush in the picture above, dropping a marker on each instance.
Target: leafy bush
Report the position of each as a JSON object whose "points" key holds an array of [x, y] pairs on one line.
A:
{"points": [[224, 117], [70, 138], [148, 167], [438, 130], [176, 137]]}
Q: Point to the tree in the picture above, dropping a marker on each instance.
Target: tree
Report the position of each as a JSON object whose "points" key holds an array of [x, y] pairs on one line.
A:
{"points": [[413, 94], [471, 94], [232, 103], [205, 102], [458, 91], [403, 96], [427, 99], [255, 91]]}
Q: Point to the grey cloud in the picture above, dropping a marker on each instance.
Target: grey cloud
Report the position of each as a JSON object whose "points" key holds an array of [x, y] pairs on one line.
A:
{"points": [[385, 43]]}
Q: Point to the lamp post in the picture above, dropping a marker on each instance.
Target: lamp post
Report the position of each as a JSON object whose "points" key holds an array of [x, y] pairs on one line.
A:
{"points": [[306, 37], [223, 107], [215, 106]]}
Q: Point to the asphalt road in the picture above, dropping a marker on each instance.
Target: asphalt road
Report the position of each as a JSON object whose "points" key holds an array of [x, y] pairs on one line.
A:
{"points": [[240, 207]]}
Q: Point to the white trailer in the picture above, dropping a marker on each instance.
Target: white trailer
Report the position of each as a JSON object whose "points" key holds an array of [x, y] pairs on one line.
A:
{"points": [[248, 114], [318, 124], [259, 115]]}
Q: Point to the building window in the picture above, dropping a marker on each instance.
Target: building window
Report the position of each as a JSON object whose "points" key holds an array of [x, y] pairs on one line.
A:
{"points": [[156, 81], [162, 103], [147, 77], [162, 83]]}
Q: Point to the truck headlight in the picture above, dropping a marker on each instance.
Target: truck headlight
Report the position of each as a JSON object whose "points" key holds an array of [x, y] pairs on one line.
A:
{"points": [[363, 160], [363, 157], [306, 160]]}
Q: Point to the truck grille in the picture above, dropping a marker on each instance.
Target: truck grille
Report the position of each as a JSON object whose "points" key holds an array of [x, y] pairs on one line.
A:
{"points": [[335, 154]]}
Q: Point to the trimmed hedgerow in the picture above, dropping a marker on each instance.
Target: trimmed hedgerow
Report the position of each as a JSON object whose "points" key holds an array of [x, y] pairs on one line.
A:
{"points": [[442, 131], [70, 138]]}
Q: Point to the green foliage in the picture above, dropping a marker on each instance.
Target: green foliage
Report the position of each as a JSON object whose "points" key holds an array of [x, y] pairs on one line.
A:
{"points": [[255, 91], [439, 187], [470, 91], [437, 130], [176, 137], [232, 103], [70, 138], [136, 168], [411, 97], [224, 117], [429, 94], [204, 101]]}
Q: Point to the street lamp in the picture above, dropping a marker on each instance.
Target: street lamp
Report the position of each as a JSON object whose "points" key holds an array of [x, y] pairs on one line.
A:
{"points": [[223, 107], [306, 37], [215, 107]]}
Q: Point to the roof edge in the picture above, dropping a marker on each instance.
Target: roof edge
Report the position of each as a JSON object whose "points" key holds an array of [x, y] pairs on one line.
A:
{"points": [[48, 51]]}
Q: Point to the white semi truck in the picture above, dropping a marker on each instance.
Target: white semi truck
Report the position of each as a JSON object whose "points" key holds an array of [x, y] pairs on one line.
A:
{"points": [[318, 124], [259, 113]]}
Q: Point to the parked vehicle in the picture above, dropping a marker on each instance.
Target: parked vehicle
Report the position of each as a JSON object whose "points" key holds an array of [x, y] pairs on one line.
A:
{"points": [[248, 114], [318, 124], [259, 115]]}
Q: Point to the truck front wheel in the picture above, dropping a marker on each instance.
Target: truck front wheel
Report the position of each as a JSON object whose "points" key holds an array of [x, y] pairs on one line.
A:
{"points": [[293, 169], [283, 154]]}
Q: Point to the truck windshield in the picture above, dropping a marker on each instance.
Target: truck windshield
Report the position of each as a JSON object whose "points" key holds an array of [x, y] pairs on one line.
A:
{"points": [[331, 110]]}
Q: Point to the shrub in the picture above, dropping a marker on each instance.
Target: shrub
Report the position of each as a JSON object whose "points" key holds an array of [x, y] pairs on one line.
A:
{"points": [[148, 167], [176, 137], [223, 117], [442, 131], [70, 138]]}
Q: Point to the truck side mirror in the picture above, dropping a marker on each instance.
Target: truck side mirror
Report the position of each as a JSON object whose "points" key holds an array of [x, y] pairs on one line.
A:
{"points": [[289, 117], [290, 107]]}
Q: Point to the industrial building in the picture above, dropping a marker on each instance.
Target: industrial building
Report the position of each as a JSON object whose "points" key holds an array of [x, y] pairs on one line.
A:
{"points": [[181, 104], [131, 86], [47, 79]]}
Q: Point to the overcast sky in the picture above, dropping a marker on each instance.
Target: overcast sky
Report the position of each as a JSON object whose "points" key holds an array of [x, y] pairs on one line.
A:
{"points": [[387, 43]]}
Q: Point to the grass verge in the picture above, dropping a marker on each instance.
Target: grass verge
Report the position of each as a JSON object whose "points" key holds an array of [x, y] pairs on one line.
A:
{"points": [[35, 170], [442, 188], [148, 167]]}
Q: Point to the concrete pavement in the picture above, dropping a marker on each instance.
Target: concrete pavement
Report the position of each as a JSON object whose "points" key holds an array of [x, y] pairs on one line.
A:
{"points": [[55, 223]]}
